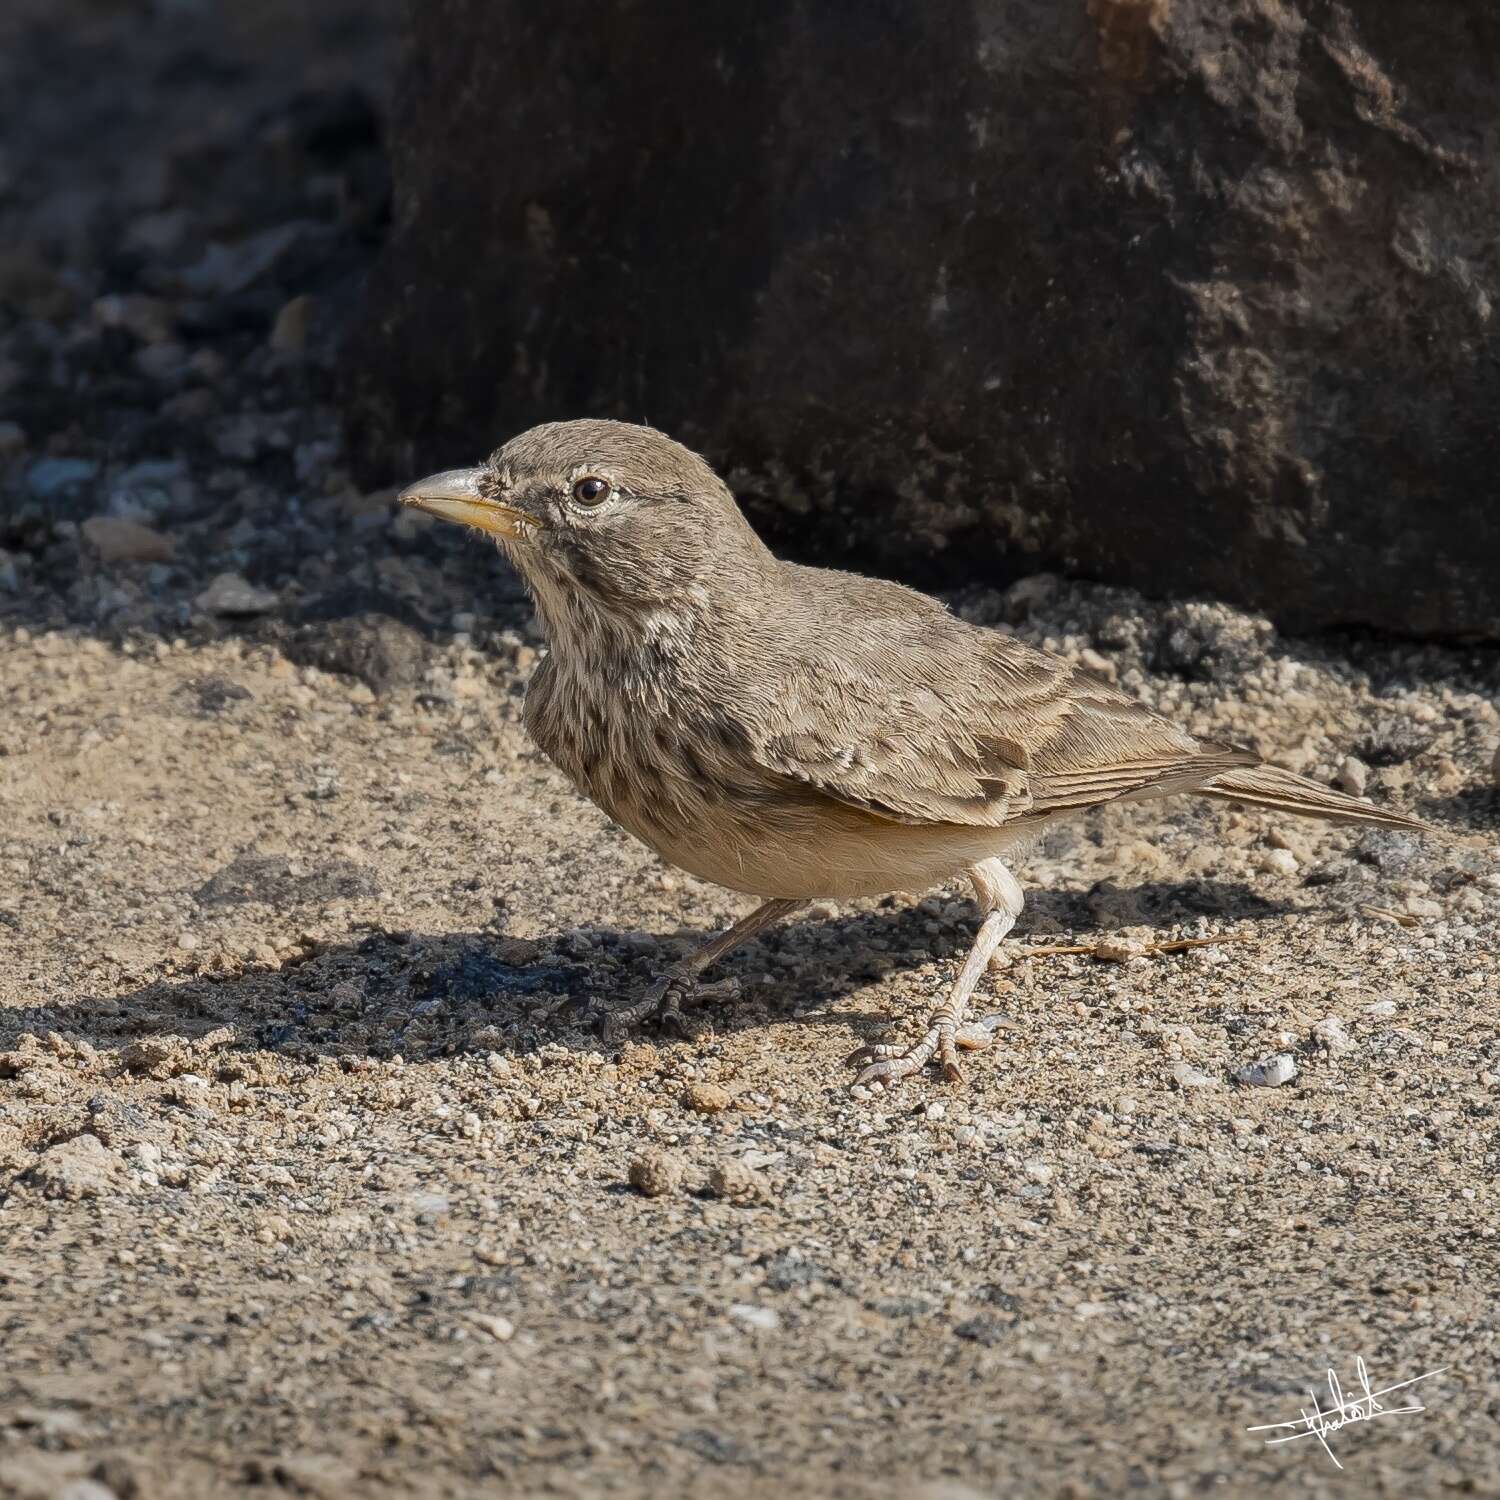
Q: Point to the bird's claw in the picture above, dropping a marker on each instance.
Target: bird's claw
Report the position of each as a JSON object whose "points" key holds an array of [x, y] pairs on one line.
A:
{"points": [[885, 1064], [663, 1002]]}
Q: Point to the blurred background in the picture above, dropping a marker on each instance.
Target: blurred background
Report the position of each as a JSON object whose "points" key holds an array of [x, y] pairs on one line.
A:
{"points": [[190, 198], [1194, 298]]}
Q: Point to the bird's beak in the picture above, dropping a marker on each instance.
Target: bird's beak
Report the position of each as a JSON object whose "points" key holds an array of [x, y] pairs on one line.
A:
{"points": [[455, 495]]}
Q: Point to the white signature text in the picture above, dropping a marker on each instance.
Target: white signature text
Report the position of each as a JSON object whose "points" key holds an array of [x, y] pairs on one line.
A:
{"points": [[1318, 1421]]}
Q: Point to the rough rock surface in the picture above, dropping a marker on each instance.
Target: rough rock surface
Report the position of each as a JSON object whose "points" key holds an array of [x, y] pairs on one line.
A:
{"points": [[79, 1168], [1196, 295]]}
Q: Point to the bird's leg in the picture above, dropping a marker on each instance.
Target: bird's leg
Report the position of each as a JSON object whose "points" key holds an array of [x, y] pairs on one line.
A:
{"points": [[679, 985], [1000, 898]]}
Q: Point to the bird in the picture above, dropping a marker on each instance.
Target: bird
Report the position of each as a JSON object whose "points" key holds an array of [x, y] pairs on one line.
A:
{"points": [[800, 733]]}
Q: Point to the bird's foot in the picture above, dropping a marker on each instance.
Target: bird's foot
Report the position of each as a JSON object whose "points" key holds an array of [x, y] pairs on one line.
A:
{"points": [[663, 1002], [885, 1064]]}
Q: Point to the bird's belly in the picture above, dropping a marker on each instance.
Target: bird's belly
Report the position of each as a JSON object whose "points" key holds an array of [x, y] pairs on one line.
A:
{"points": [[725, 822], [831, 851]]}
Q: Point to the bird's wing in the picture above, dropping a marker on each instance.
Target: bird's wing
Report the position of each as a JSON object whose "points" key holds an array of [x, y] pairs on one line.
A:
{"points": [[923, 718]]}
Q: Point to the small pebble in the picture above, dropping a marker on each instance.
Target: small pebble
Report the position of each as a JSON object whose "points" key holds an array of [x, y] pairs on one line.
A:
{"points": [[148, 318], [1330, 1034], [164, 361], [656, 1173], [80, 1168], [1186, 1076], [501, 1329], [49, 477], [147, 1054], [737, 1182], [1424, 907], [229, 594], [1277, 862], [706, 1098], [85, 1489], [1353, 776], [1268, 1072], [1119, 950], [289, 331], [767, 1319]]}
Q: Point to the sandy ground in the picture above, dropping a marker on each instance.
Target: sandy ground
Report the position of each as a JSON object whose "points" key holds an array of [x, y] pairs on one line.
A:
{"points": [[302, 1184], [309, 1183]]}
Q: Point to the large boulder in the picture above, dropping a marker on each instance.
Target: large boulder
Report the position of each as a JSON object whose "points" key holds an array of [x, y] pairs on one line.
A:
{"points": [[1197, 295]]}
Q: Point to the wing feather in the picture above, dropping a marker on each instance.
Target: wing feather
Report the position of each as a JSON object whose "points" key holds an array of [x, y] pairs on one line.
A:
{"points": [[916, 716]]}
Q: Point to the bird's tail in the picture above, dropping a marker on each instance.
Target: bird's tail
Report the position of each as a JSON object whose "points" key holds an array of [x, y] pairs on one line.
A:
{"points": [[1284, 791]]}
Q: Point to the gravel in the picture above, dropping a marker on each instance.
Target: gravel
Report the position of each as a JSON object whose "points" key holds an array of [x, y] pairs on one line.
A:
{"points": [[80, 1168]]}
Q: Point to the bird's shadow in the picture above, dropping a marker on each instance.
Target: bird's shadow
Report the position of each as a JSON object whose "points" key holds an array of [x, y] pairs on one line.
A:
{"points": [[1476, 809], [385, 993]]}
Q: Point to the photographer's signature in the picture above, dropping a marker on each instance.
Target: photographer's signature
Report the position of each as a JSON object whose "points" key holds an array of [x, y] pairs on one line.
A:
{"points": [[1318, 1421]]}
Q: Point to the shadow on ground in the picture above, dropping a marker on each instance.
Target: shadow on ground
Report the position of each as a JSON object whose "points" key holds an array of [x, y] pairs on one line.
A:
{"points": [[427, 995], [1473, 810]]}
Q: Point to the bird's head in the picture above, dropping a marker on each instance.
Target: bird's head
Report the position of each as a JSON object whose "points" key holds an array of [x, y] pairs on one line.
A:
{"points": [[604, 516]]}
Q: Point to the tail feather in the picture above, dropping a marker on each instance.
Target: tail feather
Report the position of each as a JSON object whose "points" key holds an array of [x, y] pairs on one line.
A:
{"points": [[1284, 791]]}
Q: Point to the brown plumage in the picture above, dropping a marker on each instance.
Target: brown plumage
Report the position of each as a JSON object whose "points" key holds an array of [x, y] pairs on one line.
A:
{"points": [[798, 732]]}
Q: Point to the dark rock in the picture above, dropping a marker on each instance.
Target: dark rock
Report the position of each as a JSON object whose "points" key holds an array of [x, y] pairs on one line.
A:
{"points": [[51, 478], [148, 490], [1198, 297], [359, 633], [982, 1330], [119, 1123], [54, 490], [378, 650], [997, 1296], [227, 269], [32, 288]]}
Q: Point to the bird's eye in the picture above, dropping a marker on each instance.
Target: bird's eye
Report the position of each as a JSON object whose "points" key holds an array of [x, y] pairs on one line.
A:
{"points": [[591, 491]]}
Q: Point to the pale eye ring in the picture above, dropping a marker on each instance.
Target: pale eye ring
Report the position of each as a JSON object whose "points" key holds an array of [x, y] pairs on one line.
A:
{"points": [[591, 490]]}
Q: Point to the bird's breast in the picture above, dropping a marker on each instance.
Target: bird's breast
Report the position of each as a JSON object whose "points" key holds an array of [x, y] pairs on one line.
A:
{"points": [[632, 745]]}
